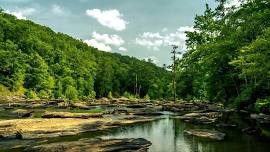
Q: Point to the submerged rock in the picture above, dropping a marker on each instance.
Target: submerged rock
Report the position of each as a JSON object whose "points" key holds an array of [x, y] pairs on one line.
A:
{"points": [[148, 113], [252, 130], [95, 145], [225, 125], [205, 133], [136, 106]]}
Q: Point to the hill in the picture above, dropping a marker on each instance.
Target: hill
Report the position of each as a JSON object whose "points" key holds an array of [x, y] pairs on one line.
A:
{"points": [[40, 63]]}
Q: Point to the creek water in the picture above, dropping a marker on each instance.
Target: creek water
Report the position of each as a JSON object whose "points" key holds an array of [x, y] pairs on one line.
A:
{"points": [[167, 135]]}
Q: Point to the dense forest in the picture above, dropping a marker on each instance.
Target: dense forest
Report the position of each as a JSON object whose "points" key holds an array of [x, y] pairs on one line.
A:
{"points": [[39, 63], [228, 57], [227, 61]]}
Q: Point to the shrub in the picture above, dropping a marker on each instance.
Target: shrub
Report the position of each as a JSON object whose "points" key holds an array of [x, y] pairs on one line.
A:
{"points": [[263, 105], [4, 91], [43, 94], [129, 96], [244, 99], [146, 97], [110, 96], [31, 94], [71, 93]]}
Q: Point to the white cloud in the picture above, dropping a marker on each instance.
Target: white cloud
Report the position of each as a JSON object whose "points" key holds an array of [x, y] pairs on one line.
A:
{"points": [[151, 35], [19, 15], [123, 49], [150, 44], [164, 29], [185, 28], [57, 10], [156, 40], [108, 39], [98, 45], [22, 13], [109, 18], [153, 59], [104, 42], [232, 3]]}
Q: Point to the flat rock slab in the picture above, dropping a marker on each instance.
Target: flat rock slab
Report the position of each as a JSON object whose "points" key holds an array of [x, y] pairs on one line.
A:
{"points": [[205, 133], [71, 115], [56, 127], [80, 105], [22, 113], [201, 118], [95, 145]]}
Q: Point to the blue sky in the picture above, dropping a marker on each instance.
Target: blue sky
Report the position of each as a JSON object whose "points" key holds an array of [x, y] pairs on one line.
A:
{"points": [[140, 28]]}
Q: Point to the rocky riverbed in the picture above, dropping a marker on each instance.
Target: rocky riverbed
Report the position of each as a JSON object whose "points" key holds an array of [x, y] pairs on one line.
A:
{"points": [[25, 121]]}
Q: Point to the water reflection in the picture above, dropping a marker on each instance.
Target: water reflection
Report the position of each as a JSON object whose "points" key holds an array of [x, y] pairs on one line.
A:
{"points": [[166, 135]]}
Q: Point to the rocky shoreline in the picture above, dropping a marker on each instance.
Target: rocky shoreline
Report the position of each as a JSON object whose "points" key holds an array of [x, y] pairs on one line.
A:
{"points": [[40, 119]]}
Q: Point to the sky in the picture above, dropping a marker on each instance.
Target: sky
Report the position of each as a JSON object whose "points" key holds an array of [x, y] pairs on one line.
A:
{"points": [[140, 28]]}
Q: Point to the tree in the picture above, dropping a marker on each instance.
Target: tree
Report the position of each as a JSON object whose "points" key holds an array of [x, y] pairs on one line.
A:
{"points": [[227, 57], [37, 75], [40, 63]]}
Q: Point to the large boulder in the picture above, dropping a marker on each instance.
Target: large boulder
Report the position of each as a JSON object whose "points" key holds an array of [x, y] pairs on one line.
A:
{"points": [[95, 145], [205, 133]]}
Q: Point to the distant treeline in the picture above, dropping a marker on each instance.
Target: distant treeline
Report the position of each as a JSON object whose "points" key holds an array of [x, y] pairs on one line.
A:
{"points": [[39, 63]]}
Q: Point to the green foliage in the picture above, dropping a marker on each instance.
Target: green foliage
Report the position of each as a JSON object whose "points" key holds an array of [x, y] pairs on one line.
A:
{"points": [[245, 98], [228, 55], [126, 94], [91, 95], [31, 94], [4, 91], [43, 94], [110, 96], [146, 97], [263, 105], [71, 93], [129, 96], [41, 63]]}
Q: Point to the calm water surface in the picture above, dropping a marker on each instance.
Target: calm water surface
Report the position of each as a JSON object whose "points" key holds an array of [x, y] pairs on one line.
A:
{"points": [[167, 135]]}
